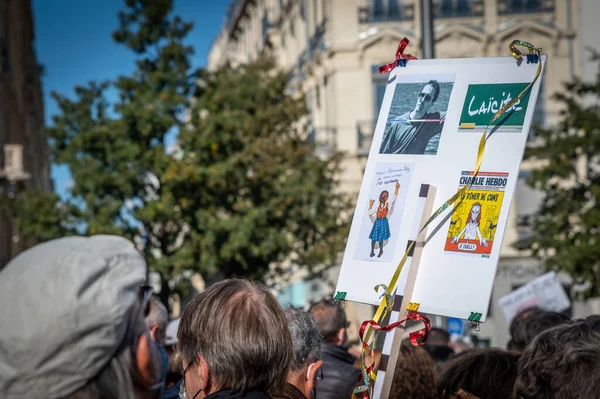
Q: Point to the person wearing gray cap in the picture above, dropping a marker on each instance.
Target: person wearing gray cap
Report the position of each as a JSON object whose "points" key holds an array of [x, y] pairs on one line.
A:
{"points": [[73, 322]]}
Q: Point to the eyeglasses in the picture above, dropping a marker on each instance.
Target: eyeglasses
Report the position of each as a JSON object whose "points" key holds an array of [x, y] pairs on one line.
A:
{"points": [[426, 97], [145, 294], [318, 375], [182, 392]]}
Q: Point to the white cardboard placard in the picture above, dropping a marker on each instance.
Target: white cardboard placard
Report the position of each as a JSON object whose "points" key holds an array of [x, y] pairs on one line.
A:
{"points": [[440, 147], [545, 292]]}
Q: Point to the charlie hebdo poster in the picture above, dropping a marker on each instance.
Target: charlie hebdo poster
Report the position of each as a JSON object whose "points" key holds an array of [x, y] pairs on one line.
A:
{"points": [[431, 120], [475, 217]]}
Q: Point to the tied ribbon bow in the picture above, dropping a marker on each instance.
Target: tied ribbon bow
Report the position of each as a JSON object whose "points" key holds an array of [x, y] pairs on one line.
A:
{"points": [[417, 338], [400, 60]]}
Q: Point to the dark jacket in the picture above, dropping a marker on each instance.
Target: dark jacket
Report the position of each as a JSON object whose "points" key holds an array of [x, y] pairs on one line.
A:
{"points": [[339, 374], [229, 394], [290, 392]]}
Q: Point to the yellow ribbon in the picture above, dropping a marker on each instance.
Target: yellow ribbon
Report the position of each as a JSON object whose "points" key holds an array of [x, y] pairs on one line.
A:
{"points": [[382, 310]]}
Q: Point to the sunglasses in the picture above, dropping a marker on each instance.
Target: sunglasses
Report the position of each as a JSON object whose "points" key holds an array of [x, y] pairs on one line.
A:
{"points": [[426, 97], [145, 294]]}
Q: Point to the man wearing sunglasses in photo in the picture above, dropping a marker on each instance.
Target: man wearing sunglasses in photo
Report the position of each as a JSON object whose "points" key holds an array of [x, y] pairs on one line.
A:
{"points": [[73, 322], [306, 369], [410, 133]]}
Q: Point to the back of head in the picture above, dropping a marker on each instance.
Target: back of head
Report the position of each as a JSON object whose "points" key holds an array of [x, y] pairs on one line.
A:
{"points": [[562, 362], [594, 322], [485, 373], [241, 331], [306, 339], [437, 346], [438, 337], [415, 376], [440, 354], [157, 320], [329, 318], [74, 319], [527, 324]]}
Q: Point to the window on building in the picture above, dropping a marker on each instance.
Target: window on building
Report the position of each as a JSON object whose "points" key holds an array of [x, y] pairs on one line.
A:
{"points": [[379, 83], [377, 7], [394, 8], [318, 96], [309, 102], [539, 112], [525, 5], [527, 201], [324, 5], [265, 26]]}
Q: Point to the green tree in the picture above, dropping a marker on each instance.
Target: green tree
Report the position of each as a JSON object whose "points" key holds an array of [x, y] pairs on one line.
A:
{"points": [[566, 229], [240, 191], [40, 216], [252, 190]]}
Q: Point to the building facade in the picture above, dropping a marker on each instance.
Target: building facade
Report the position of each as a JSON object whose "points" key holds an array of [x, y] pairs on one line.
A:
{"points": [[334, 49], [24, 162]]}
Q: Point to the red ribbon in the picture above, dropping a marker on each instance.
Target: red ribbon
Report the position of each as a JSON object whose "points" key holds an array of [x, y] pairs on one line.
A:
{"points": [[414, 336], [401, 58], [417, 338]]}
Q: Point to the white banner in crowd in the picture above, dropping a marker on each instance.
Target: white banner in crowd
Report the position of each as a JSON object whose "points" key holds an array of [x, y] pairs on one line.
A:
{"points": [[545, 292], [428, 132]]}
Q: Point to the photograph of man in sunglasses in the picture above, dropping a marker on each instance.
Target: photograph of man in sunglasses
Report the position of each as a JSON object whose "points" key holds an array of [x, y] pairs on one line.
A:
{"points": [[415, 126]]}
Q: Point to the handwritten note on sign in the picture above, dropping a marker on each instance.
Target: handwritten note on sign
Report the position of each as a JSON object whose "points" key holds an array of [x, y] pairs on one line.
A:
{"points": [[545, 292]]}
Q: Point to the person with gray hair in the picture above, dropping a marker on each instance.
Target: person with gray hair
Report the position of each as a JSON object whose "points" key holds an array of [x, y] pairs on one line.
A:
{"points": [[305, 370], [73, 322], [157, 320]]}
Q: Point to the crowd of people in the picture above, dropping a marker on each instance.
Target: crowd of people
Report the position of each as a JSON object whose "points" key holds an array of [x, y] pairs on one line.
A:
{"points": [[78, 323]]}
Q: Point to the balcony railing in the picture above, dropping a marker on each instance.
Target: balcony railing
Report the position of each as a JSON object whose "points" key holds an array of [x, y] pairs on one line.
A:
{"points": [[390, 11], [457, 8], [364, 131], [323, 140], [317, 41], [506, 7]]}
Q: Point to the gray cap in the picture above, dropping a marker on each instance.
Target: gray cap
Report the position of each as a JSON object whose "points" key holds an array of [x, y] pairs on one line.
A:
{"points": [[64, 313]]}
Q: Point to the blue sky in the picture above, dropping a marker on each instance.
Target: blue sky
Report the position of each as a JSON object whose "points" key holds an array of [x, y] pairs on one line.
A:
{"points": [[74, 44]]}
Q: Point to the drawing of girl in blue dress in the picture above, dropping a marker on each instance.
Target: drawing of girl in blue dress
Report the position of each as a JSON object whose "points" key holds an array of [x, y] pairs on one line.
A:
{"points": [[380, 233]]}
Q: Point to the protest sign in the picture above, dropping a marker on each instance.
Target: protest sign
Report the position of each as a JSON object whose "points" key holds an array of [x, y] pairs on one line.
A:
{"points": [[431, 120], [545, 292]]}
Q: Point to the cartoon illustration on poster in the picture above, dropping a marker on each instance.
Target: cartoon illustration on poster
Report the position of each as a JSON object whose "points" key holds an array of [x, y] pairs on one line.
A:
{"points": [[417, 114], [484, 100], [383, 211], [475, 217]]}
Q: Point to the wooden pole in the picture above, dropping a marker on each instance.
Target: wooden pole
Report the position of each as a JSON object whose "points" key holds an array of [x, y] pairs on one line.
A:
{"points": [[387, 364]]}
